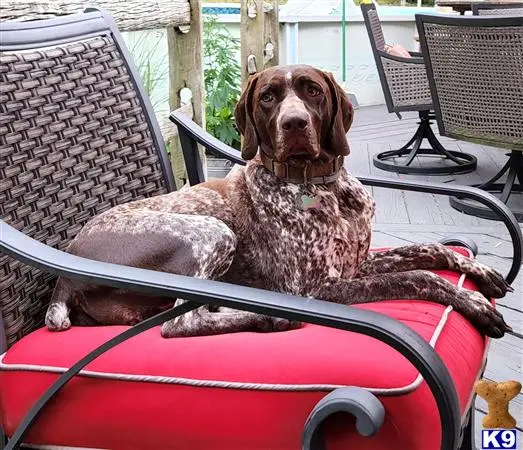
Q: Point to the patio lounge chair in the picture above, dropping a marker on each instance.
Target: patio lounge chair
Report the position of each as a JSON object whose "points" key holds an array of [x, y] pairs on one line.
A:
{"points": [[405, 87], [475, 75], [77, 136], [497, 9]]}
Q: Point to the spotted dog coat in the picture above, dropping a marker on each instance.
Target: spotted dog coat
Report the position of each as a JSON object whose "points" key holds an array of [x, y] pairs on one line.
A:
{"points": [[249, 229]]}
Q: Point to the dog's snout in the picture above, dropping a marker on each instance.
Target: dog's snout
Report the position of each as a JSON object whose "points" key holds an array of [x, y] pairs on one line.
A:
{"points": [[294, 122]]}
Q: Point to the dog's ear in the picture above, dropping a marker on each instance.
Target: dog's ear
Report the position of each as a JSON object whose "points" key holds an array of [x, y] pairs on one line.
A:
{"points": [[243, 114], [342, 116]]}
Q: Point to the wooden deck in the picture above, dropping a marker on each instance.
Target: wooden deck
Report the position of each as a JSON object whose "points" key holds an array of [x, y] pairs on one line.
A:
{"points": [[408, 217]]}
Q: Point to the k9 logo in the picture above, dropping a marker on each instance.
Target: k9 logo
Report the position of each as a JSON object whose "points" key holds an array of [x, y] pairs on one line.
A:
{"points": [[494, 439]]}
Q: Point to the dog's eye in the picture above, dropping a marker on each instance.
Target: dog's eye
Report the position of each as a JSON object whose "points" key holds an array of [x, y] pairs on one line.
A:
{"points": [[267, 98], [313, 91]]}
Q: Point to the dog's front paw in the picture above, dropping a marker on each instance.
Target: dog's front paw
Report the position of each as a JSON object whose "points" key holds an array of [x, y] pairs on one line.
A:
{"points": [[489, 281], [279, 324], [57, 317], [482, 314]]}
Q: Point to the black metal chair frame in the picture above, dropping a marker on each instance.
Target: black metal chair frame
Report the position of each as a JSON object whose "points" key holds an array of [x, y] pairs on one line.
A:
{"points": [[365, 406], [464, 162], [514, 166]]}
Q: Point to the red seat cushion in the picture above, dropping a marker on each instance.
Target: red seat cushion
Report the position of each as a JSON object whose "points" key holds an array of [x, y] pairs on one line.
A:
{"points": [[234, 392]]}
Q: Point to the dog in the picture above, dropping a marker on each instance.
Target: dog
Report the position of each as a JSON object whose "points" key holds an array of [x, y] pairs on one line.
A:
{"points": [[292, 221]]}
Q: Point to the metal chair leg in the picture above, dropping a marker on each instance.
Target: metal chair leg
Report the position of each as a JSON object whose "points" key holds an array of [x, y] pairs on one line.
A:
{"points": [[414, 151], [514, 170], [468, 437], [463, 162]]}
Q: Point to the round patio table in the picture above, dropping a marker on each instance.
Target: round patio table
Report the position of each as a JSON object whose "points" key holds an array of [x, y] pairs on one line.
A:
{"points": [[462, 6]]}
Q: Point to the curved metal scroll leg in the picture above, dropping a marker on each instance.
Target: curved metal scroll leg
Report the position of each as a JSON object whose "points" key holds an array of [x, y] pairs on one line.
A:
{"points": [[362, 404], [387, 160], [433, 140], [509, 184], [418, 135], [461, 241], [415, 148], [513, 168]]}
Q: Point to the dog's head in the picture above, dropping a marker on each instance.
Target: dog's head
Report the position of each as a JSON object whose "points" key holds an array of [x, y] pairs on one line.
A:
{"points": [[294, 113]]}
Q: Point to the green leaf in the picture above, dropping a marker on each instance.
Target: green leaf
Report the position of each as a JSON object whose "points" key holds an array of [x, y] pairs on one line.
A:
{"points": [[222, 75]]}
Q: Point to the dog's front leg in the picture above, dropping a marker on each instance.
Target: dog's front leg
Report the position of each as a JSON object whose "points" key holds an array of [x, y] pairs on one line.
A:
{"points": [[419, 285], [434, 257], [203, 322]]}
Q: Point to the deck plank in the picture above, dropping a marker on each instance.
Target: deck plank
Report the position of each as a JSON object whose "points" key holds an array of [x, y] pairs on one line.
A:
{"points": [[505, 361], [390, 204]]}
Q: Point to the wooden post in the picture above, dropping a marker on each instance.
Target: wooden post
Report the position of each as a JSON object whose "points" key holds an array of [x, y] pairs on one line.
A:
{"points": [[272, 34], [186, 71], [260, 32], [251, 36], [129, 15]]}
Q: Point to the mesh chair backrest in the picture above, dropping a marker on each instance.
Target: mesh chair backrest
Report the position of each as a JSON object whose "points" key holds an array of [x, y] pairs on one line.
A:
{"points": [[501, 12], [404, 81], [375, 29], [477, 73], [497, 9], [74, 141]]}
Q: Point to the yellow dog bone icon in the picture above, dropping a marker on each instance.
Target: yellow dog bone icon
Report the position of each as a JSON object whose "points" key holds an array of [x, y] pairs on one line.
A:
{"points": [[498, 396]]}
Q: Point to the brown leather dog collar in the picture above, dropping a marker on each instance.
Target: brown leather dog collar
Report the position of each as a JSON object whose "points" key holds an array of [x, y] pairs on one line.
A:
{"points": [[310, 173]]}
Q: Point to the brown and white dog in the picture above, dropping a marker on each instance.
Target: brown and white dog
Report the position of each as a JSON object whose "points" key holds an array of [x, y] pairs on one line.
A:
{"points": [[291, 221]]}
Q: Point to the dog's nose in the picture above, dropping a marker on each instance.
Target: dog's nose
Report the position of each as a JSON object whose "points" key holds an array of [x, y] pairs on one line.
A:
{"points": [[294, 122]]}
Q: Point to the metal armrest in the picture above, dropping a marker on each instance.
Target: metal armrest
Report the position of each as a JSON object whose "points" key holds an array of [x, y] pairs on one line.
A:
{"points": [[198, 291], [192, 134], [204, 138], [413, 60], [469, 192]]}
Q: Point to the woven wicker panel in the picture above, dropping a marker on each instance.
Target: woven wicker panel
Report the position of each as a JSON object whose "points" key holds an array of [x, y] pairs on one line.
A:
{"points": [[478, 72], [408, 83], [501, 12], [376, 30], [73, 143]]}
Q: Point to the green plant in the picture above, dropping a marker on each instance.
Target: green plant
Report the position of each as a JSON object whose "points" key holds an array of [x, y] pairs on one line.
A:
{"points": [[222, 81], [151, 61]]}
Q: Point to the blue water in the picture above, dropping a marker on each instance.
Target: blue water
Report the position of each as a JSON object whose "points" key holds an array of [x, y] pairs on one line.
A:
{"points": [[215, 10]]}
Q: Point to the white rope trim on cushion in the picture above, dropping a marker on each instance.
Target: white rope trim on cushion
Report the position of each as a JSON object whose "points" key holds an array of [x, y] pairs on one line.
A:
{"points": [[461, 281], [234, 384], [229, 384]]}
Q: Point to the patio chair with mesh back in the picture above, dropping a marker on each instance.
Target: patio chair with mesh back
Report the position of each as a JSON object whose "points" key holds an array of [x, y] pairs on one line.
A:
{"points": [[406, 88], [475, 68], [78, 136], [497, 9]]}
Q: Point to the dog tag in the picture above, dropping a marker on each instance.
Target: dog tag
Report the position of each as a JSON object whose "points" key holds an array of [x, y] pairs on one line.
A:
{"points": [[308, 202]]}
